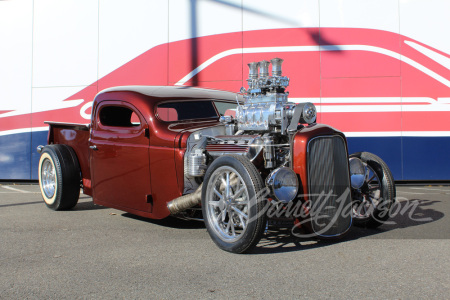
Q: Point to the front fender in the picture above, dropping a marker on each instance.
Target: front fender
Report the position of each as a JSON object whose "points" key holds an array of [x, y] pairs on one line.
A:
{"points": [[300, 150]]}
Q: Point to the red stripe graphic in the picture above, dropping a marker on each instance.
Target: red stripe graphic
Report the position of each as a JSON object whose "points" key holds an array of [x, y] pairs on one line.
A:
{"points": [[350, 62]]}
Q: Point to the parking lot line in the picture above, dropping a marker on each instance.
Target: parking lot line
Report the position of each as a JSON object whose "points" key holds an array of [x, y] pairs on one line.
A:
{"points": [[14, 189], [428, 189], [415, 193]]}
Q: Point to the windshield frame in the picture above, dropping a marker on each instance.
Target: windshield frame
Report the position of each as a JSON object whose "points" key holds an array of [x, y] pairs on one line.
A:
{"points": [[212, 101]]}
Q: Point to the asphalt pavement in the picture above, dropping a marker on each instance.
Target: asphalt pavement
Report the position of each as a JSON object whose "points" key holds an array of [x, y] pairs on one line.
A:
{"points": [[94, 252]]}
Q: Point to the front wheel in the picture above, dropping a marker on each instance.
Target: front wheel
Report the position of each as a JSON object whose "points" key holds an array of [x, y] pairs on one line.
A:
{"points": [[233, 204], [373, 200]]}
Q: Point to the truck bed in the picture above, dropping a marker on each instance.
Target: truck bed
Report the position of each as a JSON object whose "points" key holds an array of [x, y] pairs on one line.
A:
{"points": [[77, 137]]}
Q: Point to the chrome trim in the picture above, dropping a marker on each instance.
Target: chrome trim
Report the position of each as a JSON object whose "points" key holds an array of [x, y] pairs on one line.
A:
{"points": [[197, 140], [270, 184], [357, 181], [40, 148], [370, 197], [48, 177], [309, 113]]}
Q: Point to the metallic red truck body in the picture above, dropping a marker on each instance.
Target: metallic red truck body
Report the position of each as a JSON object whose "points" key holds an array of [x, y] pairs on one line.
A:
{"points": [[139, 169]]}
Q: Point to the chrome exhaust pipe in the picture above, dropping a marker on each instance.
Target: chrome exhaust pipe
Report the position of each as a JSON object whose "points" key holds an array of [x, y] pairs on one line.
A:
{"points": [[184, 202]]}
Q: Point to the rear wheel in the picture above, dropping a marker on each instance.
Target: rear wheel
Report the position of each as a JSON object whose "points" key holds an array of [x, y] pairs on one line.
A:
{"points": [[373, 200], [232, 204], [59, 177]]}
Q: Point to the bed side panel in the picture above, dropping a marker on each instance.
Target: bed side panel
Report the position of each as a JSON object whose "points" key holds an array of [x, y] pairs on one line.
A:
{"points": [[76, 137]]}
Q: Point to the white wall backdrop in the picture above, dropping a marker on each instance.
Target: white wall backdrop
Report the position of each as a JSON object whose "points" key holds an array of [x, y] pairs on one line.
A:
{"points": [[53, 51]]}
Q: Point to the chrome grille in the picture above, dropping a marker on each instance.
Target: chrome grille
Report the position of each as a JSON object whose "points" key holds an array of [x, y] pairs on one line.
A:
{"points": [[329, 185]]}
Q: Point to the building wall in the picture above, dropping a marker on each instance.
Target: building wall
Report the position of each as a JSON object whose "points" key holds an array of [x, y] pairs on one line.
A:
{"points": [[376, 69]]}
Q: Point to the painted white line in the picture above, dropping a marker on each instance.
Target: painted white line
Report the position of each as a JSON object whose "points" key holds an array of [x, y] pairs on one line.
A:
{"points": [[398, 133], [14, 189], [376, 104], [366, 100], [403, 192], [347, 134], [382, 108], [50, 106], [17, 192], [374, 49], [373, 134], [8, 192], [439, 58], [416, 193], [426, 133], [24, 130], [428, 189]]}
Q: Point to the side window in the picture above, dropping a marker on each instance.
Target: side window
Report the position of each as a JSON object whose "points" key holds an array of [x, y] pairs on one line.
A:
{"points": [[118, 116], [135, 119]]}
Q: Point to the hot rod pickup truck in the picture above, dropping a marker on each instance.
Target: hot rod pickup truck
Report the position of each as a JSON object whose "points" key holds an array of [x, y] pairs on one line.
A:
{"points": [[235, 160]]}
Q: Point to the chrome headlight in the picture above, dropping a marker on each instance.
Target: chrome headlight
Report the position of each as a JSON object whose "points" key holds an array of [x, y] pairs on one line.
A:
{"points": [[357, 172], [309, 113], [283, 184]]}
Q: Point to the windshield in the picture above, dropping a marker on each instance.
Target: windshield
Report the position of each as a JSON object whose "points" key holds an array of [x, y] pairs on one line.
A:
{"points": [[226, 108], [189, 110]]}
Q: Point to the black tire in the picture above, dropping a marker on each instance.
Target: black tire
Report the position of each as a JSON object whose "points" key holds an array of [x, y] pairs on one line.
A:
{"points": [[244, 199], [59, 177], [373, 201]]}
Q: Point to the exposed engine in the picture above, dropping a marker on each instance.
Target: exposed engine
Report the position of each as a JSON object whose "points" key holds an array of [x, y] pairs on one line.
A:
{"points": [[266, 107], [262, 130]]}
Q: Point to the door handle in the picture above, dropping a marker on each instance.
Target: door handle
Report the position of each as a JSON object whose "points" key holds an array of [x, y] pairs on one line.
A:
{"points": [[94, 147]]}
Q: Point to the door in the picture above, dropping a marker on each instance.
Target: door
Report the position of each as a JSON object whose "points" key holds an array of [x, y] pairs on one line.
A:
{"points": [[120, 157]]}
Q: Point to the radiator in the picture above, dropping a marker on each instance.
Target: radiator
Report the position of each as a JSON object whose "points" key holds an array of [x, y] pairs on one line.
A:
{"points": [[329, 186]]}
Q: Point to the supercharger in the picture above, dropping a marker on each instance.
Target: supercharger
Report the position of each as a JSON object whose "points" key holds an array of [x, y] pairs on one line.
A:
{"points": [[266, 107]]}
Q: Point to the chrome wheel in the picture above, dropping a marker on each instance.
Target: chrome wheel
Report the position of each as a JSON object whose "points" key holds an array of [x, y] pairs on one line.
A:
{"points": [[48, 178], [373, 190], [228, 204], [369, 195], [232, 203]]}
